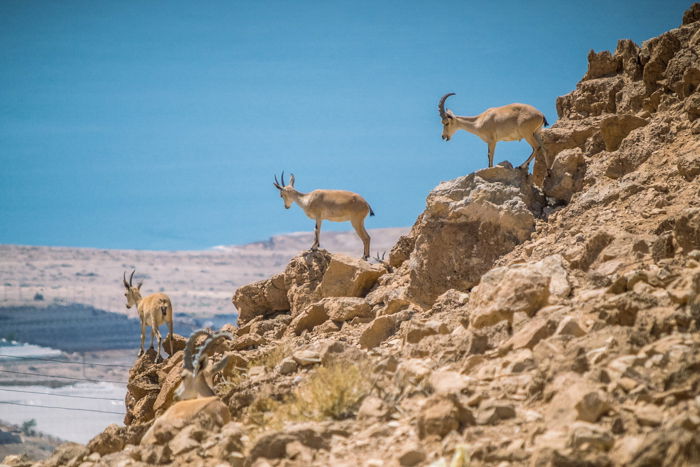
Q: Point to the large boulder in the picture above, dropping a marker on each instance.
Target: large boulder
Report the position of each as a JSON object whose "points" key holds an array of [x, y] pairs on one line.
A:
{"points": [[307, 279], [525, 287], [468, 223], [261, 298]]}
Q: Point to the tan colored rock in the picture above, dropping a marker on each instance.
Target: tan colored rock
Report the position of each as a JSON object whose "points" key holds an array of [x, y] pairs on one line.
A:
{"points": [[372, 407], [187, 439], [248, 341], [529, 335], [261, 298], [569, 326], [302, 276], [310, 317], [349, 277], [591, 405], [273, 445], [487, 212], [602, 64], [440, 415], [381, 328], [590, 436], [287, 366], [412, 371], [112, 439], [449, 382], [687, 229], [493, 411], [346, 308], [167, 391], [575, 398], [565, 176], [616, 128], [412, 455], [504, 291]]}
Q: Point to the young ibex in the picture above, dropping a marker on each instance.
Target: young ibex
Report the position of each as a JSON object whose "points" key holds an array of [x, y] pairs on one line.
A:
{"points": [[332, 205], [508, 123], [195, 395], [154, 310]]}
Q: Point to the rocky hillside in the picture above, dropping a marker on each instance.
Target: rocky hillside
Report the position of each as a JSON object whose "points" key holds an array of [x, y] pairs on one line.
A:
{"points": [[545, 319]]}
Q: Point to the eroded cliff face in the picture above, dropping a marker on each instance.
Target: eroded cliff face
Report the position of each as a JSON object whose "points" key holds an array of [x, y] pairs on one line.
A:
{"points": [[549, 319]]}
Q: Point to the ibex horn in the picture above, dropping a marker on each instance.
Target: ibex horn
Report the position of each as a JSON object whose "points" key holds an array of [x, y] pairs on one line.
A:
{"points": [[187, 359], [441, 105], [126, 284], [131, 278]]}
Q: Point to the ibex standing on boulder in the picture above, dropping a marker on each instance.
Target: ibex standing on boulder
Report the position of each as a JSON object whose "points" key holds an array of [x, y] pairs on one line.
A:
{"points": [[508, 123], [332, 205], [154, 310]]}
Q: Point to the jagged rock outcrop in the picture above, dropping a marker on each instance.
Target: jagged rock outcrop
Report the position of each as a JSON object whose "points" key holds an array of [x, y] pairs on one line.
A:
{"points": [[500, 332], [467, 224], [308, 278]]}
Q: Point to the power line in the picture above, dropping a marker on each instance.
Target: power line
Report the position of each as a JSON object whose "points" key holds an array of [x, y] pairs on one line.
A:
{"points": [[63, 361], [62, 395], [63, 377], [62, 408]]}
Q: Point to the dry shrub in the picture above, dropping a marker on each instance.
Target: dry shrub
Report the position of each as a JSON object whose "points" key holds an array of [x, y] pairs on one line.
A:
{"points": [[271, 358], [332, 392]]}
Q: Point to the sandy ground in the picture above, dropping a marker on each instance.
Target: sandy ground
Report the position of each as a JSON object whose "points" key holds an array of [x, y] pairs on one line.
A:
{"points": [[200, 283]]}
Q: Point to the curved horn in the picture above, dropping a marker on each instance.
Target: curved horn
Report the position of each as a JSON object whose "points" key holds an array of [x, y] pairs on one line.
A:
{"points": [[208, 346], [441, 105], [283, 184], [131, 278], [126, 284], [187, 360], [277, 184]]}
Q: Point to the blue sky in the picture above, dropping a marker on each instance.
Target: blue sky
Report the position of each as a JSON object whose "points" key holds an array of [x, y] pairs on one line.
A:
{"points": [[160, 124]]}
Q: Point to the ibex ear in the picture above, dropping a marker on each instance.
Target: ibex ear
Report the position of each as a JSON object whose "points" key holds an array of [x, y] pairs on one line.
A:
{"points": [[450, 113], [139, 286], [291, 180]]}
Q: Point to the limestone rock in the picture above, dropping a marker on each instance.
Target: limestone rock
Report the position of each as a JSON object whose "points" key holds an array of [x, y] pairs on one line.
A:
{"points": [[310, 317], [489, 212], [110, 440], [565, 175], [590, 436], [302, 276], [346, 308], [349, 277], [504, 291], [616, 128], [261, 298], [687, 229], [381, 328]]}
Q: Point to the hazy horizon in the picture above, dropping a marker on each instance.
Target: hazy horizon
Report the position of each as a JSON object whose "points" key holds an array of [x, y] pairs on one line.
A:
{"points": [[160, 125]]}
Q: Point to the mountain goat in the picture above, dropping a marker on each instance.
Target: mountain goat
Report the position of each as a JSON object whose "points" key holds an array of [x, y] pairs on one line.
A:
{"points": [[154, 310], [332, 205], [508, 123]]}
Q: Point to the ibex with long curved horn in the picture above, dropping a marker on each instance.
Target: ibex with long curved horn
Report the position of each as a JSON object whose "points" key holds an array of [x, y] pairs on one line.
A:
{"points": [[195, 394], [508, 123], [154, 310], [332, 205]]}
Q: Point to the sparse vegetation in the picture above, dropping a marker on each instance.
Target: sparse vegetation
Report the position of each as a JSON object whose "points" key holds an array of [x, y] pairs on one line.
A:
{"points": [[28, 427], [271, 358], [332, 392]]}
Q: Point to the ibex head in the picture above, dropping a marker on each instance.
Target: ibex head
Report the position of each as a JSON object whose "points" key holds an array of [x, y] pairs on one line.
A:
{"points": [[285, 190], [132, 294], [196, 372], [448, 118]]}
